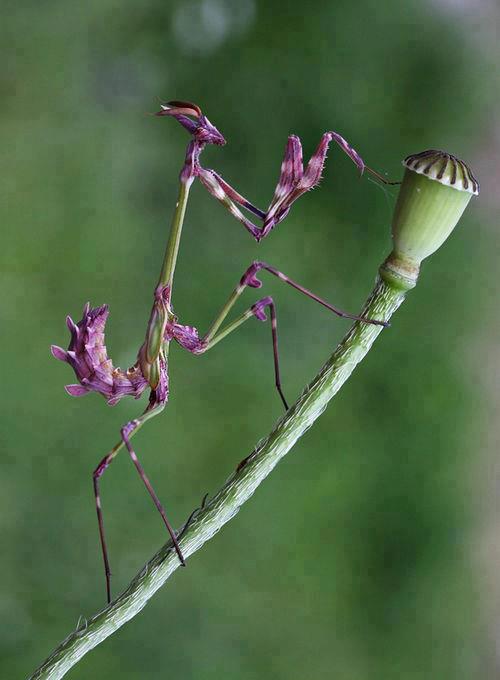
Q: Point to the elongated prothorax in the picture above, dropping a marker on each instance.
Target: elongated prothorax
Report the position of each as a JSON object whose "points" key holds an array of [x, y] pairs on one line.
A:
{"points": [[435, 191]]}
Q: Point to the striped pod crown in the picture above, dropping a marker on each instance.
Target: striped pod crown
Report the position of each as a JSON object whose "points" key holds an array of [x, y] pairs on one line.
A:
{"points": [[444, 168], [436, 189]]}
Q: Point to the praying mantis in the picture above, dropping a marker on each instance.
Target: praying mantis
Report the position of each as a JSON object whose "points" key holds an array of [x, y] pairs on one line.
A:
{"points": [[87, 353]]}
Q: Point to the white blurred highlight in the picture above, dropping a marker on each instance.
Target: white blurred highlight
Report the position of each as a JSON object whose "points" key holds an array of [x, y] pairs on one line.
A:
{"points": [[201, 26]]}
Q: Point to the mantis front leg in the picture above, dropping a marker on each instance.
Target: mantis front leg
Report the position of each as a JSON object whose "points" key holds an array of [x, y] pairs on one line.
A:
{"points": [[293, 181]]}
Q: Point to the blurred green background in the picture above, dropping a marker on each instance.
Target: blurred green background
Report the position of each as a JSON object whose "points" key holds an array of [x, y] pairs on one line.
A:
{"points": [[370, 552]]}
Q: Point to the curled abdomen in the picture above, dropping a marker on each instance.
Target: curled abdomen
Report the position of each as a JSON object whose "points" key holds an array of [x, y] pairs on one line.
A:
{"points": [[88, 357]]}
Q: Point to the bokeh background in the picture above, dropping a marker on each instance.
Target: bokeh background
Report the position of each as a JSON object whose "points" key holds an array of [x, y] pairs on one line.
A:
{"points": [[372, 550]]}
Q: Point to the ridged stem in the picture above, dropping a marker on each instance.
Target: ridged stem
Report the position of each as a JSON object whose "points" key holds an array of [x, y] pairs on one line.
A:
{"points": [[382, 303]]}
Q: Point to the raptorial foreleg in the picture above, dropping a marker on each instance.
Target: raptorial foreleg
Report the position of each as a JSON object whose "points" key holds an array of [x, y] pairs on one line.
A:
{"points": [[293, 181]]}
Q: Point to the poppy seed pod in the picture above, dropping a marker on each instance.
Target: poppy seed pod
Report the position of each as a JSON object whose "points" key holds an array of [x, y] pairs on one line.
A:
{"points": [[435, 191]]}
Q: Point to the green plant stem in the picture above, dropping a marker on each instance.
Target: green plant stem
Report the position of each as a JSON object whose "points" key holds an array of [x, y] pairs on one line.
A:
{"points": [[386, 297]]}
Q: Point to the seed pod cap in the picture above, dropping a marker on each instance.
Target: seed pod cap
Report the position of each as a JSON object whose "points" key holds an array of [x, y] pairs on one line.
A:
{"points": [[435, 191]]}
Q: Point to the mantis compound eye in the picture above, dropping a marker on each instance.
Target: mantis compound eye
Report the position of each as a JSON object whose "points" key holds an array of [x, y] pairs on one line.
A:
{"points": [[201, 128]]}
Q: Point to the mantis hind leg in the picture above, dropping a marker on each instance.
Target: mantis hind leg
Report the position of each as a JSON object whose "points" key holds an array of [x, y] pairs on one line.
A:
{"points": [[127, 433], [97, 474]]}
